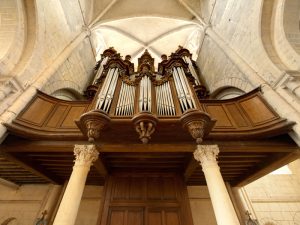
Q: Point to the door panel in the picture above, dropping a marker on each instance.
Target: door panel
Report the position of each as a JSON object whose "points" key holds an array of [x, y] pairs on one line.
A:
{"points": [[145, 199], [126, 216]]}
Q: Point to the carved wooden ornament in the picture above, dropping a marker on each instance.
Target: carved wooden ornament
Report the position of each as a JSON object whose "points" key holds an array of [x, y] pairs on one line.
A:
{"points": [[93, 123], [198, 124], [145, 124]]}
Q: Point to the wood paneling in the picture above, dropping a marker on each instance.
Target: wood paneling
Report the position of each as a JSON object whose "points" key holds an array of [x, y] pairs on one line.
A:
{"points": [[73, 114], [245, 117], [55, 119], [38, 111], [154, 204], [218, 112], [126, 216], [238, 118], [257, 111]]}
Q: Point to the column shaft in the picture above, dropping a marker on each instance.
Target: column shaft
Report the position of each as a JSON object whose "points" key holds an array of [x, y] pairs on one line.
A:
{"points": [[222, 205], [68, 209]]}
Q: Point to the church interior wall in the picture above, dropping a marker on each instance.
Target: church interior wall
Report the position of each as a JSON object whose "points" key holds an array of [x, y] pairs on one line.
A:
{"points": [[275, 198], [218, 74], [75, 73], [240, 27]]}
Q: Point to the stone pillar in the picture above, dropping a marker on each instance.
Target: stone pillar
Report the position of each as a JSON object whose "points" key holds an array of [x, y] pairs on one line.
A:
{"points": [[222, 205], [68, 209]]}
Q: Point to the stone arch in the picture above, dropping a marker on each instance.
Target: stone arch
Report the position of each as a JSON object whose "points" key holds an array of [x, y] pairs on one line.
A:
{"points": [[234, 82], [226, 93], [12, 33], [281, 34], [60, 85], [67, 94], [20, 45]]}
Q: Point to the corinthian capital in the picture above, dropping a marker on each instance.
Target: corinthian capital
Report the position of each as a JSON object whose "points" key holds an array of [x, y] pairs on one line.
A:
{"points": [[85, 154], [206, 154]]}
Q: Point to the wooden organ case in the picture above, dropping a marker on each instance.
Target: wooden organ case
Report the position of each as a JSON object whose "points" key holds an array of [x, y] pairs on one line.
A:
{"points": [[147, 124]]}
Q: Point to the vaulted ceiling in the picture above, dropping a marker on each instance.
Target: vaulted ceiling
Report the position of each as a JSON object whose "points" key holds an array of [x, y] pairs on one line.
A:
{"points": [[133, 26]]}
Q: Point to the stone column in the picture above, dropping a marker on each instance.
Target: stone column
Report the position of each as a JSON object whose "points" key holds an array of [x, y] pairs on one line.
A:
{"points": [[68, 209], [222, 205]]}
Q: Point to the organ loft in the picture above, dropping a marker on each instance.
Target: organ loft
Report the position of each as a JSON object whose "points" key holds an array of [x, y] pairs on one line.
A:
{"points": [[145, 133]]}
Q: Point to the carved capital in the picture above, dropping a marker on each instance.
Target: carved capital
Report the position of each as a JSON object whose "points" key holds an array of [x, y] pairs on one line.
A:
{"points": [[93, 123], [197, 123], [206, 154], [85, 154], [145, 124]]}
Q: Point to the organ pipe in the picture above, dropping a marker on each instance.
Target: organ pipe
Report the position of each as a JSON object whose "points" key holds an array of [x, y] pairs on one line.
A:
{"points": [[145, 94], [183, 89], [164, 100], [192, 69], [125, 103], [100, 70], [106, 94]]}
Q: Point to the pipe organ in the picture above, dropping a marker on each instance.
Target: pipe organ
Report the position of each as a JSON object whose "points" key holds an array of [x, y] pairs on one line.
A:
{"points": [[120, 91]]}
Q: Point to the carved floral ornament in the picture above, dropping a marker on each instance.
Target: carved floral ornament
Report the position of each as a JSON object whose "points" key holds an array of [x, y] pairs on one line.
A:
{"points": [[93, 123], [85, 154], [197, 123], [206, 153]]}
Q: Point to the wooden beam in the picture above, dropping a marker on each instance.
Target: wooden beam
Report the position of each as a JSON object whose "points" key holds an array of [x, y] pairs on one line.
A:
{"points": [[258, 146], [29, 166], [100, 167], [190, 169], [277, 163]]}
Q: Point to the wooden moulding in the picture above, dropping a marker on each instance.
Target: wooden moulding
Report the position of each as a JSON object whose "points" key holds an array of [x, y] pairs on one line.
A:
{"points": [[198, 123], [93, 123]]}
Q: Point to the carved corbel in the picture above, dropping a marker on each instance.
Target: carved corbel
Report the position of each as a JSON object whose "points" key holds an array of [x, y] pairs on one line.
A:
{"points": [[198, 124], [93, 123], [145, 124]]}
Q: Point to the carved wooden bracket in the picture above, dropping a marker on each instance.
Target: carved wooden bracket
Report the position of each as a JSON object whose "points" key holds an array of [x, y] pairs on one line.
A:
{"points": [[198, 123], [145, 124], [93, 123]]}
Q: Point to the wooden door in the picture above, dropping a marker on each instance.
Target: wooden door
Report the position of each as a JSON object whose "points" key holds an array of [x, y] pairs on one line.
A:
{"points": [[145, 199]]}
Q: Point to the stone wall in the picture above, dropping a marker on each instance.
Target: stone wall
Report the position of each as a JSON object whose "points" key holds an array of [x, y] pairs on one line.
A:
{"points": [[25, 204], [201, 207], [75, 73], [276, 198]]}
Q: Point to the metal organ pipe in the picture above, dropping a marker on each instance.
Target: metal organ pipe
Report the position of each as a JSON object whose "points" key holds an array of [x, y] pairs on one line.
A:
{"points": [[145, 94], [183, 89], [100, 70], [164, 100], [107, 91], [125, 103], [192, 69]]}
